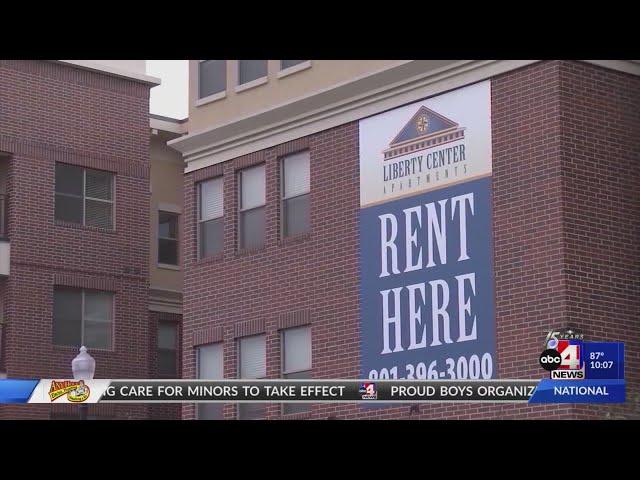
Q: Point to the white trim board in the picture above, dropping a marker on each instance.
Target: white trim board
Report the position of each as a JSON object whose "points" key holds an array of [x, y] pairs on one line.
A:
{"points": [[116, 72], [405, 82]]}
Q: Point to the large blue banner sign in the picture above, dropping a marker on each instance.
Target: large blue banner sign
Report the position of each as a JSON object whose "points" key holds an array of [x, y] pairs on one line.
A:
{"points": [[426, 248], [427, 285]]}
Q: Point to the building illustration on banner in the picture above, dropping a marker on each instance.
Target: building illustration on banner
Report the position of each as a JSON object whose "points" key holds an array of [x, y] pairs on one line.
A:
{"points": [[426, 130], [426, 265], [428, 147]]}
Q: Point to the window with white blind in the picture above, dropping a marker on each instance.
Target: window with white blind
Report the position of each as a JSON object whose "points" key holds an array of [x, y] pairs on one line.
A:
{"points": [[296, 180], [212, 77], [296, 361], [252, 207], [82, 317], [210, 217], [250, 70], [252, 363], [84, 196], [167, 349], [210, 365]]}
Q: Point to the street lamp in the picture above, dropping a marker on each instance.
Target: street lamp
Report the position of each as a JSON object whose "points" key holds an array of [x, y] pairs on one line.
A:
{"points": [[83, 367]]}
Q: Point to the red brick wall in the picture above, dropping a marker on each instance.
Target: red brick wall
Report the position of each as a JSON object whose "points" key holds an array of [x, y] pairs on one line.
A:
{"points": [[556, 129], [52, 112], [3, 290], [163, 411], [601, 173]]}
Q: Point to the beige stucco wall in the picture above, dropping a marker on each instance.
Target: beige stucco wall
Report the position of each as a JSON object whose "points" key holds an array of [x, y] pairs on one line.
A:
{"points": [[166, 188], [322, 74]]}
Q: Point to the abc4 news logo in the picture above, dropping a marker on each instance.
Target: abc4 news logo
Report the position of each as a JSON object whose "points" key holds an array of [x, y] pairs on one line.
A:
{"points": [[563, 355]]}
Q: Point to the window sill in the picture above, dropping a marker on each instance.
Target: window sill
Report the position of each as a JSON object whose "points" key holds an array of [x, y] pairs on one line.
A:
{"points": [[244, 252], [68, 348], [294, 69], [168, 266], [211, 98], [299, 238], [252, 84], [211, 259], [78, 226], [296, 416]]}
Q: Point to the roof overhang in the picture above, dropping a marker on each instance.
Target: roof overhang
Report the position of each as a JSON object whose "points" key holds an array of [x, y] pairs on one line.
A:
{"points": [[167, 124], [116, 72]]}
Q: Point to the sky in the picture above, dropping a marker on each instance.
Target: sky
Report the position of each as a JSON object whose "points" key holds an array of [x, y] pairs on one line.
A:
{"points": [[170, 98]]}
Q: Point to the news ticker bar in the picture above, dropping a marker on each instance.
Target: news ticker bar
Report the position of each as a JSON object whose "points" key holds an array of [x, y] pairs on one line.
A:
{"points": [[311, 391]]}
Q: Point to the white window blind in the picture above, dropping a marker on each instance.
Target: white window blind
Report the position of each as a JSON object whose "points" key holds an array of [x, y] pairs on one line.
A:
{"points": [[253, 356], [253, 187], [98, 312], [210, 362], [297, 349], [211, 199], [210, 367], [296, 174], [99, 184]]}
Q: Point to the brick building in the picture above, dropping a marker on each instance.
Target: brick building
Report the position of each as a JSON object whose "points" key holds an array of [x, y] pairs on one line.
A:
{"points": [[76, 232], [273, 244]]}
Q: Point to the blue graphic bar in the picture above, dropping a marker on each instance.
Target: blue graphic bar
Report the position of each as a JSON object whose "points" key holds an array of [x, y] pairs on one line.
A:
{"points": [[604, 360], [16, 391], [583, 391]]}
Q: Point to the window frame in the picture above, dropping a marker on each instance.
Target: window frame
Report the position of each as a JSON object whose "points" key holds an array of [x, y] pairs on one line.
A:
{"points": [[200, 220], [84, 197], [284, 72], [251, 83], [176, 240], [282, 349], [214, 96], [198, 368], [239, 369], [242, 210], [284, 198], [175, 350], [82, 291], [284, 373]]}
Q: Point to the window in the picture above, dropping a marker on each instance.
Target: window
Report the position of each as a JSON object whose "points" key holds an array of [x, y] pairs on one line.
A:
{"points": [[167, 349], [252, 353], [210, 367], [84, 196], [168, 238], [296, 361], [252, 202], [289, 63], [249, 70], [295, 194], [212, 77], [210, 219], [82, 317]]}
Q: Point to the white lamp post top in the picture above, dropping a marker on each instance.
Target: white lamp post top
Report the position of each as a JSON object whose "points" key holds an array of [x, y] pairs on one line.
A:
{"points": [[83, 366]]}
